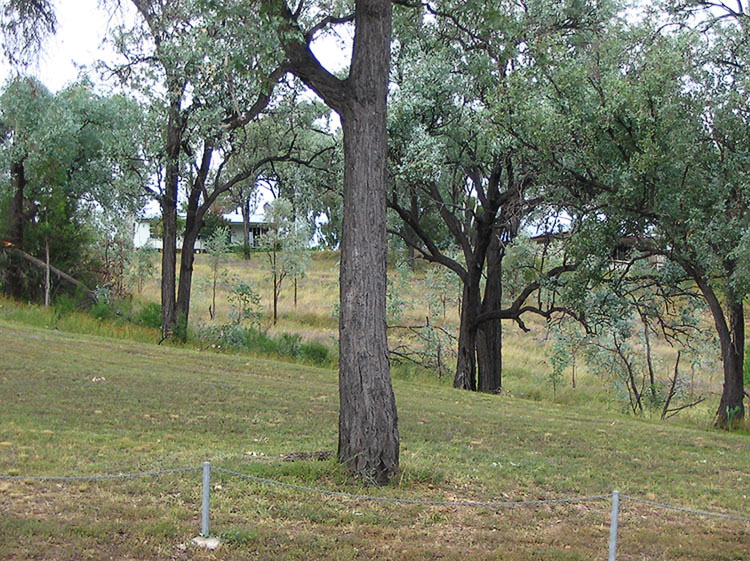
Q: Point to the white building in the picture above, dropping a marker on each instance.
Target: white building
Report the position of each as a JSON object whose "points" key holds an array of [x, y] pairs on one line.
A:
{"points": [[146, 231]]}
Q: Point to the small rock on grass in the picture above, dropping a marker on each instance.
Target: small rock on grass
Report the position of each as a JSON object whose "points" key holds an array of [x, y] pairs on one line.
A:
{"points": [[208, 543]]}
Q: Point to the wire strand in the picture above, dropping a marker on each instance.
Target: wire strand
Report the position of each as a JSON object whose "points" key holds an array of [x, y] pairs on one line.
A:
{"points": [[96, 477], [686, 510]]}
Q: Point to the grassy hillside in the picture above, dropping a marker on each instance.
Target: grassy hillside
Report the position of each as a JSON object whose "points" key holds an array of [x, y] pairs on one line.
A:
{"points": [[83, 405], [526, 366]]}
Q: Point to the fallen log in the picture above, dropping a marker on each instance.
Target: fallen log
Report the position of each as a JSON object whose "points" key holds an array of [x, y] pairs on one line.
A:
{"points": [[90, 294]]}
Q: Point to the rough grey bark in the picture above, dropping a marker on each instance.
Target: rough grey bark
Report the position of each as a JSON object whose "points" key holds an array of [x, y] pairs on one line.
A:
{"points": [[368, 435], [465, 377], [490, 333], [368, 423], [168, 204], [732, 342], [731, 406]]}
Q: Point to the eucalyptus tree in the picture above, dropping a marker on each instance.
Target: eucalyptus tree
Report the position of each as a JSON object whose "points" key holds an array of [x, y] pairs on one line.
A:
{"points": [[206, 76], [452, 173], [66, 163], [294, 157], [24, 26], [240, 157], [456, 169], [368, 426], [647, 131], [285, 243]]}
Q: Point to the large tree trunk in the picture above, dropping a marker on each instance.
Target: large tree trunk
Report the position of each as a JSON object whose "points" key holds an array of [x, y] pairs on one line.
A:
{"points": [[168, 261], [16, 225], [489, 335], [168, 201], [732, 342], [466, 364], [187, 260], [368, 424], [731, 406]]}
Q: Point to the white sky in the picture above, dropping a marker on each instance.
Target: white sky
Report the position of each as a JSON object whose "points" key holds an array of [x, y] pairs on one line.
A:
{"points": [[82, 28]]}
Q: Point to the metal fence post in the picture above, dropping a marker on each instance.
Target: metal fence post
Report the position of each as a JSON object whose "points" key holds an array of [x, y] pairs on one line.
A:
{"points": [[206, 498], [613, 526]]}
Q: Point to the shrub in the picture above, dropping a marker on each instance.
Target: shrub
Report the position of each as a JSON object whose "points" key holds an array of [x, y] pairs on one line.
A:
{"points": [[65, 305], [149, 315], [315, 353], [102, 310], [259, 342], [289, 345]]}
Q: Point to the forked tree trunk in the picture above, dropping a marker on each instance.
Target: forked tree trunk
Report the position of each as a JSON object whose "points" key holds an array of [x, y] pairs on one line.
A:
{"points": [[193, 225], [466, 363], [490, 333]]}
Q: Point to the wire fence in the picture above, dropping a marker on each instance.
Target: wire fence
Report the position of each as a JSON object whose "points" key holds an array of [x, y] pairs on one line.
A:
{"points": [[96, 477], [207, 468]]}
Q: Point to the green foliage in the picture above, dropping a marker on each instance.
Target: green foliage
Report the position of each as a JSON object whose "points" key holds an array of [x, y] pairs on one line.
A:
{"points": [[103, 310], [142, 266], [24, 26], [217, 247], [397, 301], [214, 224], [313, 352], [239, 537], [70, 156], [180, 330], [288, 346], [442, 290], [149, 315], [244, 301], [65, 304], [286, 243]]}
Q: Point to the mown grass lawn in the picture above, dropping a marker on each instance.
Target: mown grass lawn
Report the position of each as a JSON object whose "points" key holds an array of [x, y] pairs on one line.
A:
{"points": [[82, 405]]}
